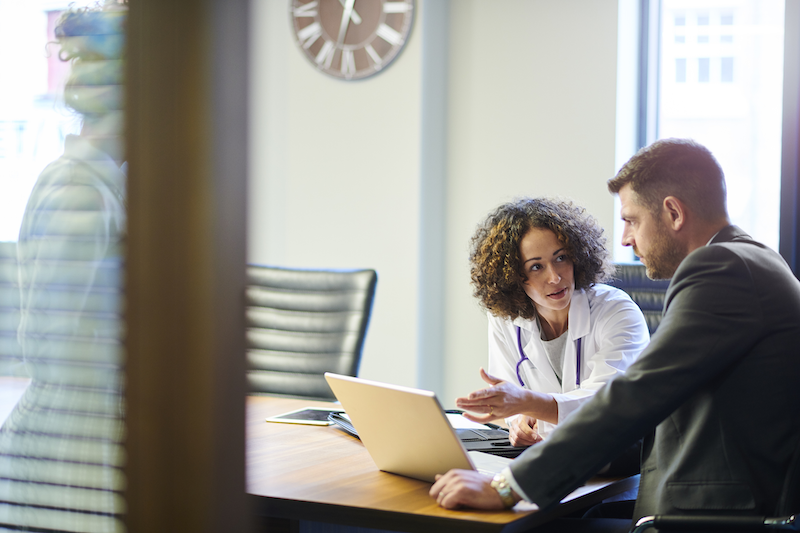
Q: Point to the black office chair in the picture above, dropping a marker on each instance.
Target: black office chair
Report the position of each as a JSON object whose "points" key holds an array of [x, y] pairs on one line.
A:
{"points": [[648, 294], [785, 515], [303, 323]]}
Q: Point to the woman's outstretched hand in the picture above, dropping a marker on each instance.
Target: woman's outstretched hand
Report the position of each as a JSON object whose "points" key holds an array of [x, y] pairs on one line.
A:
{"points": [[501, 400]]}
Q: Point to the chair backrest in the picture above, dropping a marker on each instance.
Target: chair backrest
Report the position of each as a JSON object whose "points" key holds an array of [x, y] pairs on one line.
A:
{"points": [[648, 294], [10, 350], [303, 323]]}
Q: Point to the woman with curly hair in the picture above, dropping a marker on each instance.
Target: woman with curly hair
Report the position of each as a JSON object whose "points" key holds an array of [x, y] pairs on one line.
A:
{"points": [[556, 332]]}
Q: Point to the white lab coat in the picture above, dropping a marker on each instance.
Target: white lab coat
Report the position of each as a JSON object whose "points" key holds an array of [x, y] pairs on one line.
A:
{"points": [[613, 333]]}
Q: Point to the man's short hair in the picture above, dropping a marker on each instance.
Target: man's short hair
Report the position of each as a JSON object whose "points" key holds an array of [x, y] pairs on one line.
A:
{"points": [[675, 167]]}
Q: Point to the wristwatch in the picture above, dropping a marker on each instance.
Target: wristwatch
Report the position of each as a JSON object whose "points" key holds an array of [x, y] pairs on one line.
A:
{"points": [[502, 487]]}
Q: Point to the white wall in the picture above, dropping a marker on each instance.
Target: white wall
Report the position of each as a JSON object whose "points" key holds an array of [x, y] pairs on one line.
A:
{"points": [[335, 183], [336, 166], [532, 110]]}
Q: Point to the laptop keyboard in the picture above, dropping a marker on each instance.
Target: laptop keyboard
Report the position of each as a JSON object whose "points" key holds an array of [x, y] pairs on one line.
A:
{"points": [[475, 435]]}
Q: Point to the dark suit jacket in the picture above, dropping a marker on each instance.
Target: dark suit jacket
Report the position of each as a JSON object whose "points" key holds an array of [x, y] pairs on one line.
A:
{"points": [[715, 394]]}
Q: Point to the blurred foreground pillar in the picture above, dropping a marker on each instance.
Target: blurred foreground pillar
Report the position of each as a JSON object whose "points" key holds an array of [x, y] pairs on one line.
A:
{"points": [[186, 101]]}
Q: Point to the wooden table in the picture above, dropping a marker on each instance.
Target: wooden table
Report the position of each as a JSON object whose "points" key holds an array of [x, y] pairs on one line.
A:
{"points": [[321, 474]]}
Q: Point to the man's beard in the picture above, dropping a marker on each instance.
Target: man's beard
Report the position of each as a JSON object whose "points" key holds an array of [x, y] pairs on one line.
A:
{"points": [[664, 256]]}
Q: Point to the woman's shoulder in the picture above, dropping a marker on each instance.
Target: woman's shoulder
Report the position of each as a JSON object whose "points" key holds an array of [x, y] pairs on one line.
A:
{"points": [[504, 323], [600, 293], [610, 307]]}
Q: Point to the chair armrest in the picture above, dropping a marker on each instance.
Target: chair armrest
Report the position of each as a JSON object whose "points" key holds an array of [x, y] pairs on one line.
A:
{"points": [[715, 523]]}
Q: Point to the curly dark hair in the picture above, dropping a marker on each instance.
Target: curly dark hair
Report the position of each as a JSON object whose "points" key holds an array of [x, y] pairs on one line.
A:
{"points": [[496, 265]]}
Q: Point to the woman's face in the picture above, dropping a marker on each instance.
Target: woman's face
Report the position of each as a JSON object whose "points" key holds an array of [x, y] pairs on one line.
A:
{"points": [[549, 273]]}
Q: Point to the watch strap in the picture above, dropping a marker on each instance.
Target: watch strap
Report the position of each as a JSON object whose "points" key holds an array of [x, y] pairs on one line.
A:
{"points": [[500, 484]]}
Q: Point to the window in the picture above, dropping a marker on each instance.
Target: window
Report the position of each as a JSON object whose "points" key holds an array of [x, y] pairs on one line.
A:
{"points": [[703, 69], [719, 80], [726, 70], [680, 70]]}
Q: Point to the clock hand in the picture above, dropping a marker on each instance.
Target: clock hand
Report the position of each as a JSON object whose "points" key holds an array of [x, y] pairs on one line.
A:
{"points": [[354, 16], [348, 10]]}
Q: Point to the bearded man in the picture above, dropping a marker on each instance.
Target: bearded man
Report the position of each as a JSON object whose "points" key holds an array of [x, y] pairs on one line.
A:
{"points": [[714, 395]]}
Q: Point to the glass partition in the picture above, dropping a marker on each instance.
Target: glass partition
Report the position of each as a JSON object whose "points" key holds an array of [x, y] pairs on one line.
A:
{"points": [[62, 227]]}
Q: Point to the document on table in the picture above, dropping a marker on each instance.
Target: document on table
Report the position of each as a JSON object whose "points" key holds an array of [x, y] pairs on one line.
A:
{"points": [[487, 463], [459, 422]]}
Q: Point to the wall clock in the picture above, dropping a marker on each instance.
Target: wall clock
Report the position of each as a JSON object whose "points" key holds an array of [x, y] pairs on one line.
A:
{"points": [[351, 39]]}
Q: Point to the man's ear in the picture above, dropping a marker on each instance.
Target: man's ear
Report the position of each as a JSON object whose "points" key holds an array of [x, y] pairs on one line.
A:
{"points": [[674, 212]]}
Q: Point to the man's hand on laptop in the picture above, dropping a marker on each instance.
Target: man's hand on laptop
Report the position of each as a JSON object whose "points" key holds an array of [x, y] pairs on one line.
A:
{"points": [[466, 488]]}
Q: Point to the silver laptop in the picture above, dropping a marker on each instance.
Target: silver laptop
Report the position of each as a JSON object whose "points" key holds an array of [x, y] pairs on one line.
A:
{"points": [[405, 430]]}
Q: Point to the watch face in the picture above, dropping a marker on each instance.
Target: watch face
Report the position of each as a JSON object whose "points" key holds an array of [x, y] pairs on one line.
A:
{"points": [[351, 39]]}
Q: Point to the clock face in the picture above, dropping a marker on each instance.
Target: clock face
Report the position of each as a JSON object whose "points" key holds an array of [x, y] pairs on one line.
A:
{"points": [[351, 39]]}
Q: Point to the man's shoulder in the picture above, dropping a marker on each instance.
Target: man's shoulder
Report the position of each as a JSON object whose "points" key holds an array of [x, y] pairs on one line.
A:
{"points": [[739, 261], [737, 242], [715, 261], [731, 245], [736, 254]]}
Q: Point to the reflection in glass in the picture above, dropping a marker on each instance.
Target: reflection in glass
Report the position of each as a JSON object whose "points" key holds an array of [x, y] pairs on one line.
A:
{"points": [[61, 455]]}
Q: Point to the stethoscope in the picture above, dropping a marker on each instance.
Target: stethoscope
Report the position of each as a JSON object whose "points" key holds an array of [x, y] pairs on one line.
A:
{"points": [[523, 357]]}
